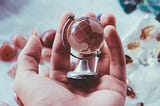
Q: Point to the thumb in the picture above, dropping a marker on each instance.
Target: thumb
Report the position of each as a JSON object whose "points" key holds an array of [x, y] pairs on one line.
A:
{"points": [[29, 57], [27, 67]]}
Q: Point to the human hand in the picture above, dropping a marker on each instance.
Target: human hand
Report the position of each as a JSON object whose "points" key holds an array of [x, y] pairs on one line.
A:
{"points": [[35, 90]]}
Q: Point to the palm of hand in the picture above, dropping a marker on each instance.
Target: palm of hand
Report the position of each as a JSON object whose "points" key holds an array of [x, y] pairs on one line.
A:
{"points": [[35, 90], [50, 92], [98, 95]]}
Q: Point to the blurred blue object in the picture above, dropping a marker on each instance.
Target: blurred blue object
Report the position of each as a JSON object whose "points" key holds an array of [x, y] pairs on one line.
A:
{"points": [[151, 6], [99, 17], [129, 5]]}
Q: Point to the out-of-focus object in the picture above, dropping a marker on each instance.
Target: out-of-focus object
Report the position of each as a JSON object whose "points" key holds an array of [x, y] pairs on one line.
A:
{"points": [[7, 51], [151, 6], [147, 32], [130, 92], [129, 5], [11, 7], [99, 17], [145, 65], [144, 36], [158, 17], [158, 37], [140, 104], [158, 57], [19, 41], [128, 59], [47, 38], [133, 45], [146, 57]]}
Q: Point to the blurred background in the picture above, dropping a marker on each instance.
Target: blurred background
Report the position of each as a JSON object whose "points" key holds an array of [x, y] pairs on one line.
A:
{"points": [[22, 16]]}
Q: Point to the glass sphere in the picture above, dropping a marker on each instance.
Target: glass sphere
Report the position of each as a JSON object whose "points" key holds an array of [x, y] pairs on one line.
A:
{"points": [[84, 35]]}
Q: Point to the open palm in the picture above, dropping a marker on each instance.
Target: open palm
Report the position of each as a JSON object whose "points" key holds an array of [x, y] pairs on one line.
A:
{"points": [[109, 90]]}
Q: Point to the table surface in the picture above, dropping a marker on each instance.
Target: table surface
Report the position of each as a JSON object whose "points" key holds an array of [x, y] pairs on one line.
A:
{"points": [[21, 16]]}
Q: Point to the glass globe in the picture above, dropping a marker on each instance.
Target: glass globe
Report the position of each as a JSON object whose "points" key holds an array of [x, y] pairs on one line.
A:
{"points": [[84, 36]]}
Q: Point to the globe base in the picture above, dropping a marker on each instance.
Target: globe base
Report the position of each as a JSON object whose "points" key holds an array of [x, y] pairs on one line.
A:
{"points": [[83, 76]]}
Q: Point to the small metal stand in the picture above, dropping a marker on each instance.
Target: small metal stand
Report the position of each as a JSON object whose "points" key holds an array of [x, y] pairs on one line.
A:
{"points": [[82, 71]]}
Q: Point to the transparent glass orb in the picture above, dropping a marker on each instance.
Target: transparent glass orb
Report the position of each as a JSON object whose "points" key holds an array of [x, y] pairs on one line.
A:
{"points": [[84, 35]]}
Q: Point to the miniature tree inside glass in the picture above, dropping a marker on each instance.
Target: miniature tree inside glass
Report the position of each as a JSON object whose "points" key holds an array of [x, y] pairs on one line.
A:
{"points": [[83, 38]]}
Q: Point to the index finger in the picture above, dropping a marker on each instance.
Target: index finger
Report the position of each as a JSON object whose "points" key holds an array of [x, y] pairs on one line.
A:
{"points": [[29, 57], [60, 59]]}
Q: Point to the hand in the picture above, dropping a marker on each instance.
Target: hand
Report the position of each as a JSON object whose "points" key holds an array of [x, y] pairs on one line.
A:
{"points": [[35, 90]]}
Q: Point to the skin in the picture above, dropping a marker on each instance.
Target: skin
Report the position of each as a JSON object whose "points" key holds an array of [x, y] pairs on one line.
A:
{"points": [[109, 90]]}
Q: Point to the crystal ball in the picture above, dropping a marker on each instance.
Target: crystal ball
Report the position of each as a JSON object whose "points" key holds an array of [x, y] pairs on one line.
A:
{"points": [[85, 35]]}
